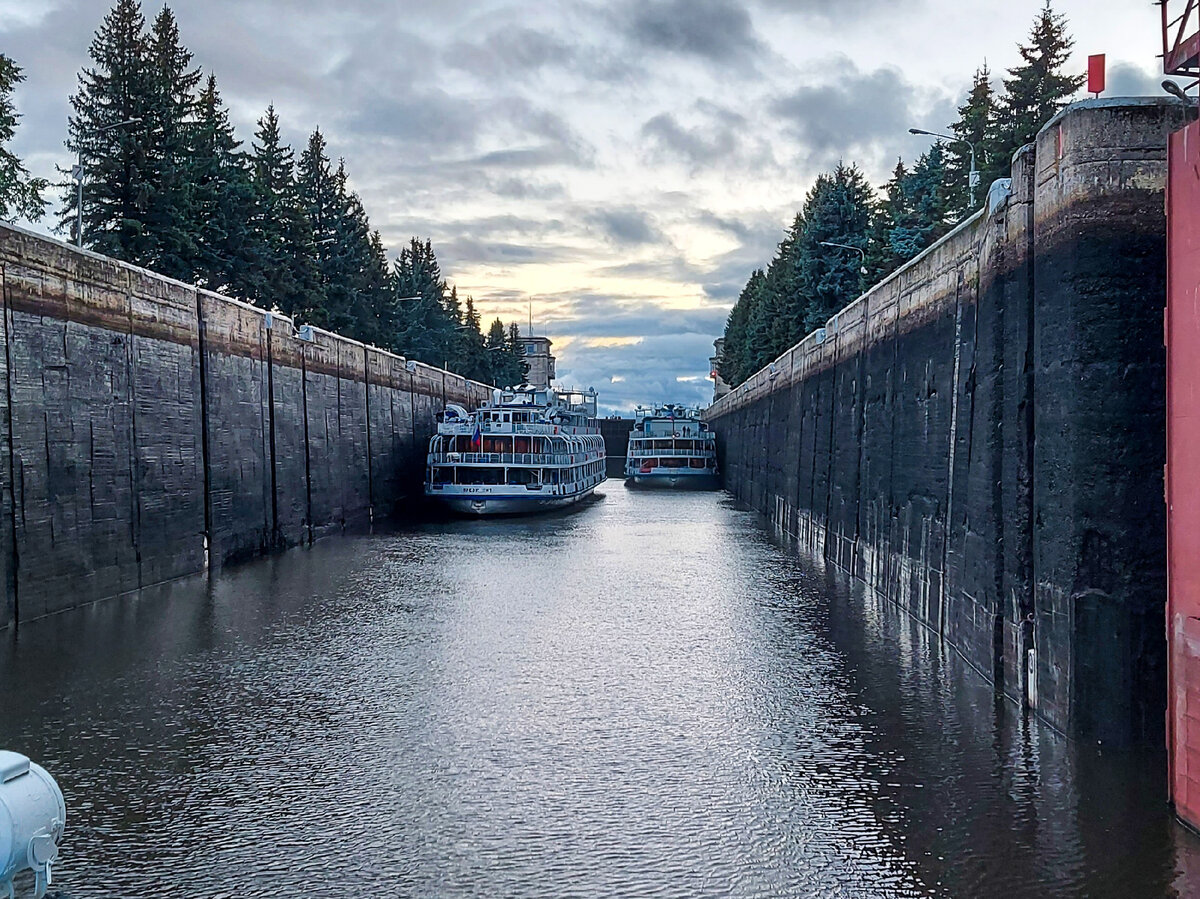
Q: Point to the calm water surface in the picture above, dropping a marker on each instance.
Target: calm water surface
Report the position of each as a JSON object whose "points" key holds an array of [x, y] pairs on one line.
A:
{"points": [[644, 697]]}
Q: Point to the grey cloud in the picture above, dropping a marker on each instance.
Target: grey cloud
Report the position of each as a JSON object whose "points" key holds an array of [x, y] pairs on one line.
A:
{"points": [[719, 31], [699, 146], [526, 157], [433, 119], [625, 226], [860, 117], [843, 10], [515, 188], [507, 52], [855, 108], [490, 226], [759, 237], [1125, 79], [464, 249]]}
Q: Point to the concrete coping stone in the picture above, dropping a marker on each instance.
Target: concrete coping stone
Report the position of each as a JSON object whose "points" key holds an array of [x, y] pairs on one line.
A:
{"points": [[1108, 103]]}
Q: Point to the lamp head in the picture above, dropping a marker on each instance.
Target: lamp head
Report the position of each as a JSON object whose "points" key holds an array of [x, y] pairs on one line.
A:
{"points": [[1175, 91]]}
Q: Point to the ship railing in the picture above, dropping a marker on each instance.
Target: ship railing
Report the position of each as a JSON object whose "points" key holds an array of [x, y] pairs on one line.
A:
{"points": [[507, 427], [638, 453], [511, 458]]}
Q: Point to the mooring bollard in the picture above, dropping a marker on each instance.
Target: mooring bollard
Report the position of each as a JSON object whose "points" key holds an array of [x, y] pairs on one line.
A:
{"points": [[33, 817]]}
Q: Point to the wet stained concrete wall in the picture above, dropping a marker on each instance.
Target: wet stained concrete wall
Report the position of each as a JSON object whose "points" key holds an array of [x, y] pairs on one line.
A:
{"points": [[980, 437], [148, 429]]}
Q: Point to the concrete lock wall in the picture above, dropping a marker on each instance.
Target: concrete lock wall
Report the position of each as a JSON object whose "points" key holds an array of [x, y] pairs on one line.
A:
{"points": [[148, 428], [980, 437]]}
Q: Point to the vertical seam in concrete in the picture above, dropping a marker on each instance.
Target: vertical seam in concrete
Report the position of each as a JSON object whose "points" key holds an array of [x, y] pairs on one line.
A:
{"points": [[829, 455], [135, 522], [13, 581], [891, 400], [948, 528], [370, 461], [341, 494], [201, 339], [264, 452], [860, 397], [307, 454], [276, 538], [1030, 386], [414, 449]]}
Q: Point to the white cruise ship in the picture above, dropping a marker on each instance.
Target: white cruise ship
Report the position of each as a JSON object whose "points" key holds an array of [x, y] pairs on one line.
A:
{"points": [[670, 446], [532, 449]]}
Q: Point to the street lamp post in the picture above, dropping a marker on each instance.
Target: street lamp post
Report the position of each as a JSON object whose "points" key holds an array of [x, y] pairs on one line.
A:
{"points": [[973, 176], [79, 177], [1176, 91], [845, 246]]}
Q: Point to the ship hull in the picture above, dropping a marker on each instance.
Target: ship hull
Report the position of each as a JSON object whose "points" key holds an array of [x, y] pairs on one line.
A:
{"points": [[675, 481], [487, 506]]}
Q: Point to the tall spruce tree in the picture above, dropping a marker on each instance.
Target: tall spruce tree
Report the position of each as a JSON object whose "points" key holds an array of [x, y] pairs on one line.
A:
{"points": [[426, 331], [20, 194], [172, 218], [892, 209], [475, 363], [836, 210], [283, 274], [516, 353], [317, 190], [976, 125], [346, 265], [380, 295], [499, 370], [457, 348], [1038, 88], [737, 326], [109, 129], [770, 324], [222, 199], [923, 214]]}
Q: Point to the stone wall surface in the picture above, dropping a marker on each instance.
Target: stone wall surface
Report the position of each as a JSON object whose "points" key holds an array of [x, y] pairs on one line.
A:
{"points": [[980, 437], [149, 429]]}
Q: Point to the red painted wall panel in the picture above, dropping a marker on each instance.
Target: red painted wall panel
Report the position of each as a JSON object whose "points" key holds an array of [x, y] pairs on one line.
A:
{"points": [[1183, 471]]}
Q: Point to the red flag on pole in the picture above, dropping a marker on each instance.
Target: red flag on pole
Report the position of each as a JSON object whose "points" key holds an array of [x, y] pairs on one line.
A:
{"points": [[1096, 74]]}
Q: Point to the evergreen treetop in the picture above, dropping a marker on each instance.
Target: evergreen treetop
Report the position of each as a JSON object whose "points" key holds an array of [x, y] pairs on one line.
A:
{"points": [[1037, 88], [109, 131], [20, 194]]}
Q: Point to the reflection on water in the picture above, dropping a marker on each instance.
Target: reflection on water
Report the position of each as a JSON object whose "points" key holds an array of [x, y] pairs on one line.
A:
{"points": [[645, 697]]}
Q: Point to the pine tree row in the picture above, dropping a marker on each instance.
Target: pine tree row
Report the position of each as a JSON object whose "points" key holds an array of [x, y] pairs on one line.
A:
{"points": [[168, 185], [811, 277]]}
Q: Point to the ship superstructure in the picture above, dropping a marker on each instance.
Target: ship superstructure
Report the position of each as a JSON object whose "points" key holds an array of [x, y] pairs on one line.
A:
{"points": [[670, 446], [531, 449]]}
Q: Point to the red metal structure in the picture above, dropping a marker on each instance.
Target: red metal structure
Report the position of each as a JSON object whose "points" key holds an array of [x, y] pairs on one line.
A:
{"points": [[1181, 37], [1183, 471], [1181, 56]]}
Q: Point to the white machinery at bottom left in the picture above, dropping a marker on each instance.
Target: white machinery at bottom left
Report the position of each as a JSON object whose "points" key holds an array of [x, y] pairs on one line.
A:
{"points": [[33, 817]]}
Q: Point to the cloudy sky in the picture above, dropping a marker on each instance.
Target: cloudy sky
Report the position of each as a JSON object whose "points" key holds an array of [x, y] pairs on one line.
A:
{"points": [[623, 164]]}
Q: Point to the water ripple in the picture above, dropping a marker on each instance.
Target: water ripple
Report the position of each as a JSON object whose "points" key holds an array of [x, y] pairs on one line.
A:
{"points": [[646, 698]]}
